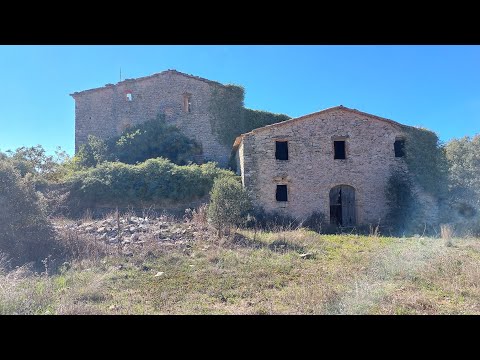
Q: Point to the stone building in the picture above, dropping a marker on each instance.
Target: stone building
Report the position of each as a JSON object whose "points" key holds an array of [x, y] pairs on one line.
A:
{"points": [[336, 161], [184, 99]]}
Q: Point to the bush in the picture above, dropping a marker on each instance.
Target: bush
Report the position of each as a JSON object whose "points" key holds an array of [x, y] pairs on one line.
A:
{"points": [[229, 204], [271, 221], [26, 235], [464, 189], [35, 161], [316, 222], [405, 214], [94, 152], [153, 181], [148, 140]]}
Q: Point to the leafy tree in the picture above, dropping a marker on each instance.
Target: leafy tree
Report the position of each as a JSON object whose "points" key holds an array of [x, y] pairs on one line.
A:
{"points": [[153, 139], [426, 160], [35, 161], [26, 235], [94, 152], [464, 181], [229, 204], [148, 140]]}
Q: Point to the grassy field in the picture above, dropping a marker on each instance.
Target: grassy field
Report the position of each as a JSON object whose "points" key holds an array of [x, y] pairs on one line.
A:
{"points": [[284, 272]]}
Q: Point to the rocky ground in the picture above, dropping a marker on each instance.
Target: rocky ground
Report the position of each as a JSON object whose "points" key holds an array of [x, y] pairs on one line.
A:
{"points": [[131, 231]]}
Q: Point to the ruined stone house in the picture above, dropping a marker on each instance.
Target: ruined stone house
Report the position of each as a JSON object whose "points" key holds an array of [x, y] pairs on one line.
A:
{"points": [[184, 100], [336, 161]]}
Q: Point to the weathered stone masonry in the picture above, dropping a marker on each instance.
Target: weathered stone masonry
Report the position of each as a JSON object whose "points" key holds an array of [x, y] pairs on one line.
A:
{"points": [[184, 99], [311, 170]]}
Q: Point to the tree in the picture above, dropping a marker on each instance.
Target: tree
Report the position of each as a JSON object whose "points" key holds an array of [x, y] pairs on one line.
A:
{"points": [[153, 139], [464, 182], [94, 152], [229, 204], [26, 235], [34, 160], [149, 140]]}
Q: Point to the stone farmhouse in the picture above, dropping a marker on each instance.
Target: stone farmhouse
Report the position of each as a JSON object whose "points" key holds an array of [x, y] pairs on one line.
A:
{"points": [[336, 161], [184, 100]]}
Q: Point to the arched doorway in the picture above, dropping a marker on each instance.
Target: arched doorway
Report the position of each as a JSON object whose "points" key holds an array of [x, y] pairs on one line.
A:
{"points": [[342, 205]]}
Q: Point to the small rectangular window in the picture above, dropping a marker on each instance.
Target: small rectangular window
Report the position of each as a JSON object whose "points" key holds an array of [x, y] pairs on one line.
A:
{"points": [[281, 194], [399, 147], [281, 150], [339, 147], [187, 103], [129, 97]]}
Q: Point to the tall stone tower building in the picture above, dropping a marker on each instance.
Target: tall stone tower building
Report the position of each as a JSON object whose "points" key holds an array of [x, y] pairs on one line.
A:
{"points": [[184, 99]]}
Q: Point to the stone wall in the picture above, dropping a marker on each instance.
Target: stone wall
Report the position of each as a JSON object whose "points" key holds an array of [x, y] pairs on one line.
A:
{"points": [[311, 170], [106, 112]]}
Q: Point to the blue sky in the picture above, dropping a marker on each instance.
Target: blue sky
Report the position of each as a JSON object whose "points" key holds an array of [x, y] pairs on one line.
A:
{"points": [[437, 87]]}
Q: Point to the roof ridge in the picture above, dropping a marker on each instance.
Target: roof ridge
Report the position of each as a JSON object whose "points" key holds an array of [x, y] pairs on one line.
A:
{"points": [[266, 127], [106, 86]]}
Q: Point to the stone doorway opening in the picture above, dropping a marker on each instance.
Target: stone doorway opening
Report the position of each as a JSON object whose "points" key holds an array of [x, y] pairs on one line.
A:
{"points": [[342, 205]]}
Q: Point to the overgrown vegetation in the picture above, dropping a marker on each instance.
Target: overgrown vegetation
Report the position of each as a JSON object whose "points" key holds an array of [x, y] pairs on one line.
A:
{"points": [[229, 204], [427, 170], [153, 181], [464, 183], [250, 271], [230, 118], [426, 160], [34, 162], [26, 234], [151, 139], [405, 214], [256, 272]]}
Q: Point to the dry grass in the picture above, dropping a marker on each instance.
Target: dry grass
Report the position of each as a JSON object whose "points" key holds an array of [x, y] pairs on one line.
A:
{"points": [[257, 272], [446, 233]]}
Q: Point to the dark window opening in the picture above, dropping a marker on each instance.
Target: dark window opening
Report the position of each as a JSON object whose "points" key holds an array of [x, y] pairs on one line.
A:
{"points": [[339, 147], [281, 194], [399, 146], [281, 150]]}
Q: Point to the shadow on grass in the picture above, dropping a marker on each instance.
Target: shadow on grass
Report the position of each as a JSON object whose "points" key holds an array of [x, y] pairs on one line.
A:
{"points": [[278, 246]]}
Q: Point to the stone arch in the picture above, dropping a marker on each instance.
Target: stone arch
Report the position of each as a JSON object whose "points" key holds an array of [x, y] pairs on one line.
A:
{"points": [[342, 205]]}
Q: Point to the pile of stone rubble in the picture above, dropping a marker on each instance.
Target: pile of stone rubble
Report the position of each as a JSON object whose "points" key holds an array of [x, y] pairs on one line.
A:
{"points": [[132, 230]]}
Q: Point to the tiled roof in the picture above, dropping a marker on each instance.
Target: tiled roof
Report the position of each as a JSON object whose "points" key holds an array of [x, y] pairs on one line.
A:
{"points": [[171, 71], [288, 122]]}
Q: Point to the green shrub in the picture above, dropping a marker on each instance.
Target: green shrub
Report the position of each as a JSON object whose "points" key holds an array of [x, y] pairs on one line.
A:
{"points": [[26, 235], [95, 151], [153, 139], [405, 214], [153, 181], [464, 185], [148, 140], [229, 204], [426, 160], [270, 221], [316, 222], [230, 118], [34, 160]]}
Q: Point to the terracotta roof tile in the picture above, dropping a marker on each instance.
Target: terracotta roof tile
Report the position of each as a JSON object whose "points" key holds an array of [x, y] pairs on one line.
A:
{"points": [[290, 121], [126, 81]]}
